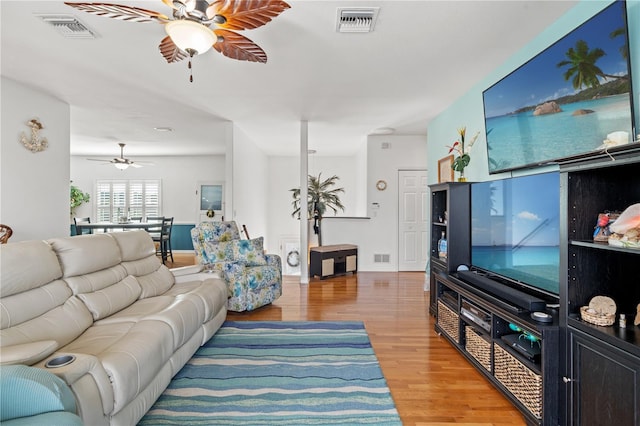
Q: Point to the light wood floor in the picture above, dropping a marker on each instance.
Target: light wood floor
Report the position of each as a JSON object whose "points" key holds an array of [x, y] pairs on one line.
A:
{"points": [[431, 383]]}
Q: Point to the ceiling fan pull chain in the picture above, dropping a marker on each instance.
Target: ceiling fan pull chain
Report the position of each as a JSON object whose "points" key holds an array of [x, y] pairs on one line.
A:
{"points": [[191, 53]]}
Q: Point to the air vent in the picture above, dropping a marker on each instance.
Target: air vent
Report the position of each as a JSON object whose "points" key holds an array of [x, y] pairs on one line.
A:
{"points": [[356, 19], [381, 258], [68, 26]]}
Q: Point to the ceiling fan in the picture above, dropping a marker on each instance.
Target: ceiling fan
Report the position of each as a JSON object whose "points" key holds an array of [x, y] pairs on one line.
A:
{"points": [[189, 32], [121, 162]]}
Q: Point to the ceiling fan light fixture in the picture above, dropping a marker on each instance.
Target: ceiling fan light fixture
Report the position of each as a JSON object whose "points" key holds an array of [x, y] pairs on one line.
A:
{"points": [[121, 166], [190, 36]]}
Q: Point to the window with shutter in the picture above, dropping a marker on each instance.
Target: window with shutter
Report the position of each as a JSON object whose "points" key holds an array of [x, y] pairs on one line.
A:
{"points": [[120, 199]]}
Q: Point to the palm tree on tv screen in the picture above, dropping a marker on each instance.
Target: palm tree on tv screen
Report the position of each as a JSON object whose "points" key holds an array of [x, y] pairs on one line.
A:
{"points": [[582, 66]]}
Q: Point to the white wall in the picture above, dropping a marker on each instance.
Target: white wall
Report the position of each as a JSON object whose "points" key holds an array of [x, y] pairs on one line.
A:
{"points": [[250, 187], [386, 155], [34, 187], [284, 175], [360, 167], [344, 168], [358, 175], [179, 176]]}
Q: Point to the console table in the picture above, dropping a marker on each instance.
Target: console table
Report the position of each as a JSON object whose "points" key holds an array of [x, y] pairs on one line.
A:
{"points": [[333, 260]]}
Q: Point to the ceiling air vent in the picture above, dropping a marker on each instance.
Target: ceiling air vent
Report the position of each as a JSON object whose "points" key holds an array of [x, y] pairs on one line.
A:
{"points": [[356, 19], [68, 26]]}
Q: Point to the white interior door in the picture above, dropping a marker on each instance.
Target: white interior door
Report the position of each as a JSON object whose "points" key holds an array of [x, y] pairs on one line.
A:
{"points": [[413, 194]]}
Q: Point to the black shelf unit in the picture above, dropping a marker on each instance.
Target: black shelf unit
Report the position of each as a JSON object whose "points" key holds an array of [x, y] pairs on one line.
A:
{"points": [[590, 374], [450, 214], [480, 342], [602, 363], [506, 368]]}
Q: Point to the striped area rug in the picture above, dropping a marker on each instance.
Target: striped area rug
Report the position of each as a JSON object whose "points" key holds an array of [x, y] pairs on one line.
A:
{"points": [[279, 373]]}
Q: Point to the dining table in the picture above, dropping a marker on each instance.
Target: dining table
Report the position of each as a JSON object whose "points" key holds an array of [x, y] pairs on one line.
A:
{"points": [[117, 226]]}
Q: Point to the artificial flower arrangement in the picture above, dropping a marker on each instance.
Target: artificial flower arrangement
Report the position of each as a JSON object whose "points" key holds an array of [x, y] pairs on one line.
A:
{"points": [[464, 158]]}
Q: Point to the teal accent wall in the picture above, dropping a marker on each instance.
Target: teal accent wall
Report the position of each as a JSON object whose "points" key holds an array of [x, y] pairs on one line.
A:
{"points": [[181, 237], [468, 110]]}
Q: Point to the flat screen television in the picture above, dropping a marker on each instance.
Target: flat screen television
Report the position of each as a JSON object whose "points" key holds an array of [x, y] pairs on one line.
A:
{"points": [[566, 101], [515, 229]]}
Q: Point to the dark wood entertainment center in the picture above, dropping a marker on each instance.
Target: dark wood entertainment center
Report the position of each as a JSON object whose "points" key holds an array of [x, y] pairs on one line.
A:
{"points": [[569, 372], [475, 321]]}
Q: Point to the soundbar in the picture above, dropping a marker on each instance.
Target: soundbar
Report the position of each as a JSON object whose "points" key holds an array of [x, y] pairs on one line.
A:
{"points": [[506, 293]]}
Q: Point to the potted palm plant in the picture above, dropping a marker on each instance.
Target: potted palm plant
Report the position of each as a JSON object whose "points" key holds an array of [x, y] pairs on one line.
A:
{"points": [[321, 196]]}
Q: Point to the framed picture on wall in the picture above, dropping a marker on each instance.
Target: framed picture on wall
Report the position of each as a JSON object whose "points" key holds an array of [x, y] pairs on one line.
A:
{"points": [[445, 172], [210, 201]]}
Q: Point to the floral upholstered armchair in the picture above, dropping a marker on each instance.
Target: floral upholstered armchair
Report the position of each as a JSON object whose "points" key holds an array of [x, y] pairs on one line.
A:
{"points": [[253, 278]]}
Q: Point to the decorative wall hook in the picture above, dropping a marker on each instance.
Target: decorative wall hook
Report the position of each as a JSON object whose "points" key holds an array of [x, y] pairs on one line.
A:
{"points": [[36, 144]]}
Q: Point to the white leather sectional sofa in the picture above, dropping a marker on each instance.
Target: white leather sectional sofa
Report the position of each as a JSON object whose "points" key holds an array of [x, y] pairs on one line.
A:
{"points": [[107, 300]]}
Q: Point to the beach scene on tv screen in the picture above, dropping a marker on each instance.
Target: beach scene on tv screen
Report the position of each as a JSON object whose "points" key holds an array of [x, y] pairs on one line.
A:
{"points": [[515, 229], [571, 99]]}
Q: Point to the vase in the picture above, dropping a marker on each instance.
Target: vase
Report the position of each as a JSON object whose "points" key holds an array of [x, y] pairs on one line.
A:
{"points": [[462, 178]]}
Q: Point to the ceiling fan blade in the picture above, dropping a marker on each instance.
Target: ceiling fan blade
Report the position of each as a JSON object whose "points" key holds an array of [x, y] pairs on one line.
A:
{"points": [[97, 159], [236, 46], [120, 12], [170, 4], [170, 51], [245, 14]]}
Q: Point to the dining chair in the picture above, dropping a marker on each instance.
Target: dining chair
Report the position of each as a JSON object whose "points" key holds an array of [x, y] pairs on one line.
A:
{"points": [[82, 220], [137, 219], [155, 230], [164, 240], [5, 233]]}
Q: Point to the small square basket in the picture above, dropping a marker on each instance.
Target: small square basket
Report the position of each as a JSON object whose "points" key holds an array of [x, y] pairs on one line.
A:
{"points": [[449, 321], [478, 347], [522, 382]]}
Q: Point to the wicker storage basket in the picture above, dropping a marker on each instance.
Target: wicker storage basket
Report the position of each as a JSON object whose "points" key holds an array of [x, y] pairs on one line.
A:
{"points": [[449, 321], [478, 347], [522, 382], [596, 318]]}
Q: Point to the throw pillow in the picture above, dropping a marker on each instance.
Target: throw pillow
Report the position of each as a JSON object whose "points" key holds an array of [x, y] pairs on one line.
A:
{"points": [[250, 252]]}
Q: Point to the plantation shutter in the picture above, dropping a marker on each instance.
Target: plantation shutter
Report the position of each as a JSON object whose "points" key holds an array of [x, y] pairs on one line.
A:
{"points": [[117, 200], [103, 201], [136, 199], [152, 198]]}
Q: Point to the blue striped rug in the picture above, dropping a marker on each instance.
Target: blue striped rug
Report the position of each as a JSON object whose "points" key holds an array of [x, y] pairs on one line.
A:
{"points": [[279, 373]]}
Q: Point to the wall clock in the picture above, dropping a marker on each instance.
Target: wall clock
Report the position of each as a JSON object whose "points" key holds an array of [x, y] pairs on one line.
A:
{"points": [[381, 185]]}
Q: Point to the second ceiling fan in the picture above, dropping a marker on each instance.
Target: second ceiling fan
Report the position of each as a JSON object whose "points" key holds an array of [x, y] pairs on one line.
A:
{"points": [[189, 33], [122, 163]]}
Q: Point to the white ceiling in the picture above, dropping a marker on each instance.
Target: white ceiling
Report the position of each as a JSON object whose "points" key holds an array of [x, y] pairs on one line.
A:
{"points": [[421, 56]]}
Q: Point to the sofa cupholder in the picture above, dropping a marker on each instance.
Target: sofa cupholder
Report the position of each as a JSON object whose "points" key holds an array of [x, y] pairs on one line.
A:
{"points": [[60, 361]]}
